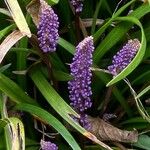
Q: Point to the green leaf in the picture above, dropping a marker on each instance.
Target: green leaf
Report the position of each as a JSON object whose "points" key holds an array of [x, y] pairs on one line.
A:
{"points": [[108, 23], [66, 45], [60, 106], [117, 33], [11, 89], [143, 92], [48, 118], [53, 2], [138, 58], [5, 67], [6, 30], [143, 142]]}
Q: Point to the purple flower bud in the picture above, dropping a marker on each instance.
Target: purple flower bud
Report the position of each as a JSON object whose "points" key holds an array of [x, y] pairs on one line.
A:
{"points": [[79, 87], [78, 5], [47, 145], [124, 56], [47, 28]]}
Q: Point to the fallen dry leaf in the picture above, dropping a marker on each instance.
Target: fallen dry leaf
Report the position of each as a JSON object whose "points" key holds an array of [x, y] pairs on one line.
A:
{"points": [[18, 16], [33, 9], [9, 41], [94, 138], [106, 132]]}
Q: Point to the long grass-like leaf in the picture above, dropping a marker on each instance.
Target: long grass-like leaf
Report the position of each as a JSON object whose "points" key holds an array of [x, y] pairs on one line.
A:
{"points": [[48, 118], [12, 90], [117, 33], [143, 92], [60, 106], [138, 58]]}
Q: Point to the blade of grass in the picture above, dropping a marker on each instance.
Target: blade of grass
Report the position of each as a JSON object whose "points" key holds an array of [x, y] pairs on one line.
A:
{"points": [[138, 58], [117, 33], [58, 103], [48, 118], [6, 30], [143, 92], [11, 89]]}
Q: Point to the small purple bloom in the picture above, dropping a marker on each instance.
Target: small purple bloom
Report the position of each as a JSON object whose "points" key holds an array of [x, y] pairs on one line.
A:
{"points": [[78, 5], [47, 145], [47, 28], [79, 87], [124, 57]]}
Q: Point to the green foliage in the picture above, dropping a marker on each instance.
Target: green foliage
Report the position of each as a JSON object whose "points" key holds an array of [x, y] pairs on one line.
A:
{"points": [[33, 85]]}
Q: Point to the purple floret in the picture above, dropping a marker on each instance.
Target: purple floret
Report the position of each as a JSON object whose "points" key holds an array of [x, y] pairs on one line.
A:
{"points": [[79, 87], [47, 145], [78, 5], [47, 28], [124, 57]]}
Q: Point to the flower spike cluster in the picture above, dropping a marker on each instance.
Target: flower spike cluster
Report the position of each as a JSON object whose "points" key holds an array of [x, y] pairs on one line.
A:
{"points": [[124, 57], [78, 5], [47, 145], [47, 28], [79, 87]]}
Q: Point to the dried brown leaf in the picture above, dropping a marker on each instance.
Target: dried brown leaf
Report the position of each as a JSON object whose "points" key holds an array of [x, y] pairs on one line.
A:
{"points": [[9, 41], [33, 9], [18, 16], [106, 132], [94, 138]]}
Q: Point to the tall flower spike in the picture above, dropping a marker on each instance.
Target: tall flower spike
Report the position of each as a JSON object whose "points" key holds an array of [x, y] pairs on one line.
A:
{"points": [[47, 145], [124, 57], [78, 5], [47, 28], [79, 87]]}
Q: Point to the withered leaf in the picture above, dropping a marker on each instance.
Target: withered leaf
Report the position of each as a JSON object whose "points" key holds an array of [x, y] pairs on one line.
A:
{"points": [[106, 132], [18, 16], [9, 41], [33, 9]]}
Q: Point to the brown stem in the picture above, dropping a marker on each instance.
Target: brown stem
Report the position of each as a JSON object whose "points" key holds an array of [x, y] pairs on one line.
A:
{"points": [[107, 99], [45, 59], [77, 27]]}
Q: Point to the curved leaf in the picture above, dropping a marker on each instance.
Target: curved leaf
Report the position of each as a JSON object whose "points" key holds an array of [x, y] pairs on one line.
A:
{"points": [[48, 118], [138, 58], [60, 106]]}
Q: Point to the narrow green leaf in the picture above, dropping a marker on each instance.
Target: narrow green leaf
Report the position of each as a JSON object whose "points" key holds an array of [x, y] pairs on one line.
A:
{"points": [[143, 92], [95, 17], [53, 2], [48, 118], [108, 23], [5, 67], [60, 106], [6, 30], [11, 89], [66, 45], [138, 58], [117, 33]]}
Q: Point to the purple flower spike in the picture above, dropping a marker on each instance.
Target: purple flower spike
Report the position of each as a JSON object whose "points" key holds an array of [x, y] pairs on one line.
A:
{"points": [[48, 28], [79, 87], [47, 145], [124, 57], [78, 5]]}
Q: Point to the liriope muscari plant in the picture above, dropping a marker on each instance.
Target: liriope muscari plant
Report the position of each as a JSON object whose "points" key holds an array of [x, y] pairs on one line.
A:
{"points": [[47, 28], [124, 56], [79, 88]]}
